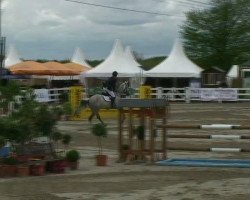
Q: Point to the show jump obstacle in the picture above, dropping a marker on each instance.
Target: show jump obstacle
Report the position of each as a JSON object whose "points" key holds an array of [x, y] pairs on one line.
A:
{"points": [[145, 112], [151, 114], [206, 136], [239, 163]]}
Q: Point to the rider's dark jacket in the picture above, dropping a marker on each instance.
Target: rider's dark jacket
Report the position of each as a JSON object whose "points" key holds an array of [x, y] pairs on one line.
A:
{"points": [[111, 83]]}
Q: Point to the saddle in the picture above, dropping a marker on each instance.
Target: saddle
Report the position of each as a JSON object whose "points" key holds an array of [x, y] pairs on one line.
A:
{"points": [[106, 96]]}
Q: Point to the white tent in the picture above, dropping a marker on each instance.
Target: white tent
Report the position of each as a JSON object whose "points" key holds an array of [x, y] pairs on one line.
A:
{"points": [[177, 65], [12, 57], [135, 81], [233, 72], [119, 60], [78, 58]]}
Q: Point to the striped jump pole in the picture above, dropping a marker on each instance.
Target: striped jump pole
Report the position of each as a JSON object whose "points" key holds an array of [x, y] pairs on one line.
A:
{"points": [[184, 136], [209, 126], [228, 150]]}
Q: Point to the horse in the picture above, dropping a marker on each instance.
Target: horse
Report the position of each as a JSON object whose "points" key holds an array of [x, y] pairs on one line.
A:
{"points": [[99, 101]]}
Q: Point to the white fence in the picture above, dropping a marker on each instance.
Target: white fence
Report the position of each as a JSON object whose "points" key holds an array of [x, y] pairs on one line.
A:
{"points": [[172, 94]]}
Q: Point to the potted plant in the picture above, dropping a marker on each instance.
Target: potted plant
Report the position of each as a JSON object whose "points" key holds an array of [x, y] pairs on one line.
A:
{"points": [[9, 167], [72, 158], [100, 131], [66, 139], [56, 137], [23, 170]]}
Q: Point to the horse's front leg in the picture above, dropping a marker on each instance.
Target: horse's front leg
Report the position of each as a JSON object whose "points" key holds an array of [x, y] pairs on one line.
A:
{"points": [[91, 117], [99, 118]]}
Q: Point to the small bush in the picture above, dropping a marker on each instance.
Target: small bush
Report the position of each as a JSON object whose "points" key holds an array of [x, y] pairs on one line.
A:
{"points": [[72, 156], [10, 161]]}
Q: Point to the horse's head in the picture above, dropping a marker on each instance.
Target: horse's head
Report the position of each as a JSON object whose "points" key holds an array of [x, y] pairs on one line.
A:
{"points": [[123, 89]]}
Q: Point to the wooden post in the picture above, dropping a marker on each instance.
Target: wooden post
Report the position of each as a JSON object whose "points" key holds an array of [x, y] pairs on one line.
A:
{"points": [[152, 144], [120, 136], [164, 137], [130, 125], [142, 123]]}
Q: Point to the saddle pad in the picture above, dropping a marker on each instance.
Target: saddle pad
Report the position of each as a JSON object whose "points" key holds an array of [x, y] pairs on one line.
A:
{"points": [[106, 98]]}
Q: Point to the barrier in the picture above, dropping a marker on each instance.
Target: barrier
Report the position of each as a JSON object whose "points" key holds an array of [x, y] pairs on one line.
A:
{"points": [[209, 126], [207, 136]]}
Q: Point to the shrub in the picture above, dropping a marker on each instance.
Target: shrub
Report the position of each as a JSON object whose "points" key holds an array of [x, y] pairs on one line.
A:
{"points": [[10, 161], [72, 156]]}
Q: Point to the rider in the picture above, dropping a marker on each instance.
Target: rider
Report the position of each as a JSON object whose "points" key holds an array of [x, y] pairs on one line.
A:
{"points": [[111, 87]]}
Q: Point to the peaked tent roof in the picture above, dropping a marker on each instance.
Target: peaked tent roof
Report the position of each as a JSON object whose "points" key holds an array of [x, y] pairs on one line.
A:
{"points": [[130, 57], [118, 60], [12, 57], [176, 64], [233, 72], [78, 58]]}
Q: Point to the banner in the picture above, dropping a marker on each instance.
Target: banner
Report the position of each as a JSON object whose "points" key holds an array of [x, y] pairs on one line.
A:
{"points": [[42, 95], [218, 94]]}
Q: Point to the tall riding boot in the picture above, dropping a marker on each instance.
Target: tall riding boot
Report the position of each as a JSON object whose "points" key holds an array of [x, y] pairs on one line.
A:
{"points": [[112, 102]]}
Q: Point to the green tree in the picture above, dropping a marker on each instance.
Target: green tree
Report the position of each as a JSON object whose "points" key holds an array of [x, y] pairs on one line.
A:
{"points": [[8, 93], [219, 35], [45, 120]]}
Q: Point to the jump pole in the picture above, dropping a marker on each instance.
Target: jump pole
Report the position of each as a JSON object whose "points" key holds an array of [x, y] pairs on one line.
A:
{"points": [[228, 150], [184, 136], [210, 126]]}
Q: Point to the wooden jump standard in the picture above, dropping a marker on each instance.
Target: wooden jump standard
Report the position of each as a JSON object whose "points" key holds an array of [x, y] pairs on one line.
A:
{"points": [[147, 110]]}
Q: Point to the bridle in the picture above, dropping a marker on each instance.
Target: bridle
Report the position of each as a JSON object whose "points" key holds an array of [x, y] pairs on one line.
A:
{"points": [[123, 89]]}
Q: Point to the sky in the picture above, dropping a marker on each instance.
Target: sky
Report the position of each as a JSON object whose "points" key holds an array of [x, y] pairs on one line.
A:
{"points": [[53, 29]]}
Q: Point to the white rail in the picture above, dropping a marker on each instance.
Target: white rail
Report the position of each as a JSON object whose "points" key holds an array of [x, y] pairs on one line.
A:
{"points": [[182, 94]]}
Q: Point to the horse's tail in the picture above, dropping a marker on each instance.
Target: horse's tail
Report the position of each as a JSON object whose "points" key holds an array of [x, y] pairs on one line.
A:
{"points": [[83, 104]]}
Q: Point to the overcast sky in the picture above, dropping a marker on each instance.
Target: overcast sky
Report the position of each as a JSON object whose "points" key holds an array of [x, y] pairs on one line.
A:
{"points": [[52, 29]]}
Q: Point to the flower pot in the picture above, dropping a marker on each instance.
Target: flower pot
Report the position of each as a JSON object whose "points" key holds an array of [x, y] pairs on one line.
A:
{"points": [[37, 169], [23, 170], [57, 166], [1, 171], [101, 160], [9, 170], [73, 165]]}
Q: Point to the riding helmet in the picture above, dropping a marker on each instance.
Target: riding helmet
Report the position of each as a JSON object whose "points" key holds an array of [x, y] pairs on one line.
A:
{"points": [[115, 73]]}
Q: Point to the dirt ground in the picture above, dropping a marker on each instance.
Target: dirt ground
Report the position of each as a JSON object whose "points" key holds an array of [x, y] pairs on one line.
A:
{"points": [[143, 181]]}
